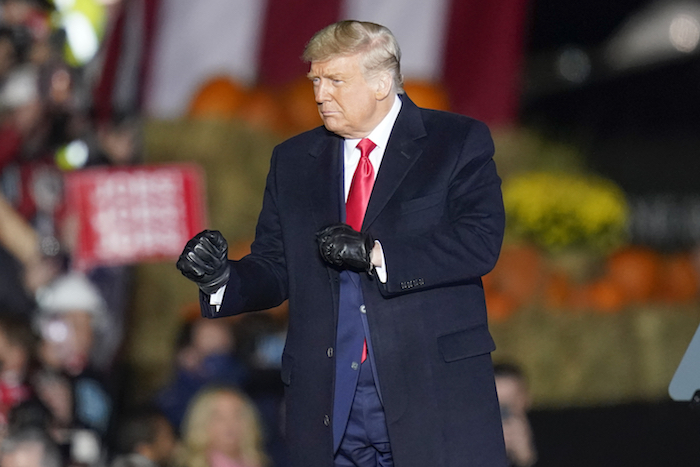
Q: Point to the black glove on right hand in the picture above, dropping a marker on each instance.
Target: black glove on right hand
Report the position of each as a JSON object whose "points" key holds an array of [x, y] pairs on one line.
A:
{"points": [[205, 261]]}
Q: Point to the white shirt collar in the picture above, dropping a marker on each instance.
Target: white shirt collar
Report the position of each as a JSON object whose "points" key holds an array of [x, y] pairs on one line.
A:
{"points": [[380, 134]]}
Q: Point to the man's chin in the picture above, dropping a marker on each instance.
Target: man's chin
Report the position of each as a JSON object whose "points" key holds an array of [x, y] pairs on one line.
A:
{"points": [[331, 125]]}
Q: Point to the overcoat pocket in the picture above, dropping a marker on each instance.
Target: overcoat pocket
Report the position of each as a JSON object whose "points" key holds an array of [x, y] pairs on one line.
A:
{"points": [[466, 343]]}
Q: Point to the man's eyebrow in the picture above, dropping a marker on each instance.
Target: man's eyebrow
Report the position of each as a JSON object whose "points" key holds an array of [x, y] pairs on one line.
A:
{"points": [[332, 75]]}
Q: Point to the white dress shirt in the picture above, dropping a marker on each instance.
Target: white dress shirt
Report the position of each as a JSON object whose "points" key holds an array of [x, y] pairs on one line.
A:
{"points": [[380, 137]]}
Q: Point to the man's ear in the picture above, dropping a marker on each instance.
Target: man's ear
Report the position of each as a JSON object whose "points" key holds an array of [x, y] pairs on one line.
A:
{"points": [[384, 86]]}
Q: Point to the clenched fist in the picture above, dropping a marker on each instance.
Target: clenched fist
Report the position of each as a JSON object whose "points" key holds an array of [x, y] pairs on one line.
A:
{"points": [[205, 261], [344, 247]]}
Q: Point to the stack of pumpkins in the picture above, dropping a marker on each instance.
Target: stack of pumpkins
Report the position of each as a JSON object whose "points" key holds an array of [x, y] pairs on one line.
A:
{"points": [[286, 110], [630, 277]]}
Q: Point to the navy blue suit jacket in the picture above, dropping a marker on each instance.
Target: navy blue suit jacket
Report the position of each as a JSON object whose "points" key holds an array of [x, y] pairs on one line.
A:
{"points": [[437, 209]]}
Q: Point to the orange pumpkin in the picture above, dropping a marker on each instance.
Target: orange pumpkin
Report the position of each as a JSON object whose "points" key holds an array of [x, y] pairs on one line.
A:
{"points": [[490, 282], [519, 273], [262, 109], [427, 94], [218, 98], [605, 296], [499, 306], [679, 279], [299, 106], [635, 270]]}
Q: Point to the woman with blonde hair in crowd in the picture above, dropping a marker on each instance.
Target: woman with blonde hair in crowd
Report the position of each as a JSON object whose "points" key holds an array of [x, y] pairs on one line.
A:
{"points": [[221, 428]]}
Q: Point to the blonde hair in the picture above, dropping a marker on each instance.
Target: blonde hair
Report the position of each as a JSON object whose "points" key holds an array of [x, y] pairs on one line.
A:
{"points": [[377, 45], [195, 441]]}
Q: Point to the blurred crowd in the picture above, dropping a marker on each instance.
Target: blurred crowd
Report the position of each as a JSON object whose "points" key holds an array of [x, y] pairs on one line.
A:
{"points": [[63, 397], [218, 409], [62, 394]]}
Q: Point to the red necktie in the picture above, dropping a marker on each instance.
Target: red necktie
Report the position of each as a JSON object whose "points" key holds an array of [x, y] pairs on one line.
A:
{"points": [[358, 197], [361, 186]]}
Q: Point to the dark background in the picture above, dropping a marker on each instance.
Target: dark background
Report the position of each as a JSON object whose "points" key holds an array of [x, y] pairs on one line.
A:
{"points": [[641, 128], [663, 434]]}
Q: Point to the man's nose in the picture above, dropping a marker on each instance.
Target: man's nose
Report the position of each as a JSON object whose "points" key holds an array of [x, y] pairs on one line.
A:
{"points": [[321, 93]]}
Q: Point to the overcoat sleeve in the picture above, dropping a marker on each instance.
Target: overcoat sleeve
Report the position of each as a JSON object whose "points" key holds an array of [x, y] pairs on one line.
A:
{"points": [[259, 280]]}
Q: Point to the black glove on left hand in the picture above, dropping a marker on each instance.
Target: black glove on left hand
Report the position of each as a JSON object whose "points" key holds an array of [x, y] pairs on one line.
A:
{"points": [[345, 247]]}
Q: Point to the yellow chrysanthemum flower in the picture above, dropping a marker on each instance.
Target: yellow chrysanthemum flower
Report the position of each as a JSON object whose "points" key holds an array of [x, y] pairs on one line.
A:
{"points": [[560, 210]]}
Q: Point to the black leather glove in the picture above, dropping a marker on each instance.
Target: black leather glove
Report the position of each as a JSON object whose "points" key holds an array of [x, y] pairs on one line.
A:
{"points": [[346, 248], [205, 261]]}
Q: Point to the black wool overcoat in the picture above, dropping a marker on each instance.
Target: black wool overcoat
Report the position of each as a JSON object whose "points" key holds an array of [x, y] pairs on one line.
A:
{"points": [[436, 207]]}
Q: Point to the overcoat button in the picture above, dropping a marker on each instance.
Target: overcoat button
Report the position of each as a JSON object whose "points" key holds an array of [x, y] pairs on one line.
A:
{"points": [[329, 352], [326, 420]]}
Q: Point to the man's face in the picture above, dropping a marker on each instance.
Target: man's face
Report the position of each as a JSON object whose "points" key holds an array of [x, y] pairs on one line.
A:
{"points": [[349, 105]]}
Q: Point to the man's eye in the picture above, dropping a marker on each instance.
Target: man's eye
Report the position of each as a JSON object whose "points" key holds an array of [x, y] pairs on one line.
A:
{"points": [[337, 81]]}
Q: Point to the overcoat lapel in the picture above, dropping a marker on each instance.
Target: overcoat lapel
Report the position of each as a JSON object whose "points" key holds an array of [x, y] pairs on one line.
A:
{"points": [[325, 196], [325, 179], [403, 149]]}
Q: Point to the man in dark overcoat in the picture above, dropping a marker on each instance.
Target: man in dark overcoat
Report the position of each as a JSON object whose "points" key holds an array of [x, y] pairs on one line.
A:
{"points": [[379, 246]]}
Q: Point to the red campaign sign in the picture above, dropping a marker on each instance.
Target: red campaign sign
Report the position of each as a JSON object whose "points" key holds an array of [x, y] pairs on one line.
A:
{"points": [[136, 214]]}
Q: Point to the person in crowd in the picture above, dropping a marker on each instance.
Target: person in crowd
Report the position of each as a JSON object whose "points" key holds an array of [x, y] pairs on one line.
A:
{"points": [[514, 399], [17, 357], [387, 359], [57, 409], [259, 343], [221, 429], [30, 447], [144, 438], [118, 141], [71, 318], [205, 354], [24, 130], [34, 415], [13, 44], [41, 110]]}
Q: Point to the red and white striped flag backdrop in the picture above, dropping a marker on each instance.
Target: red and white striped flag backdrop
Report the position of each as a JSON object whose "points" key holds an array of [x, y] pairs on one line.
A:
{"points": [[159, 53]]}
